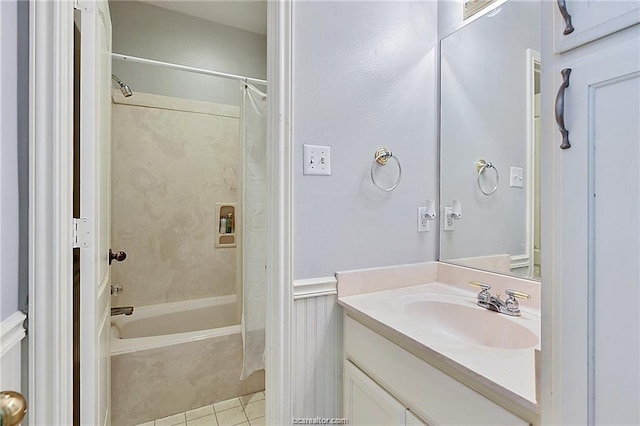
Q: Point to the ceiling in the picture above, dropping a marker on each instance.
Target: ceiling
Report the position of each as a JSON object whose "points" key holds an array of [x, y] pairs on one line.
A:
{"points": [[248, 15]]}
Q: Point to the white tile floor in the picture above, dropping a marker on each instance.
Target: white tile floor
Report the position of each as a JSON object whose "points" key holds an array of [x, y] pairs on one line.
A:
{"points": [[246, 410]]}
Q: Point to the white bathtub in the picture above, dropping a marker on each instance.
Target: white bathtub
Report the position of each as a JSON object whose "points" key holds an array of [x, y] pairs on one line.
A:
{"points": [[174, 357], [166, 324]]}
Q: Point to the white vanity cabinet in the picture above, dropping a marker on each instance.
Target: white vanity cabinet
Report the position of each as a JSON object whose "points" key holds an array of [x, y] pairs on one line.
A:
{"points": [[590, 20], [385, 384], [591, 194]]}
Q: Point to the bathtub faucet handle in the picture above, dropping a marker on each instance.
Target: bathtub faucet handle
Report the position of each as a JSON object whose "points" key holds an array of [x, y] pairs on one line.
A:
{"points": [[118, 256]]}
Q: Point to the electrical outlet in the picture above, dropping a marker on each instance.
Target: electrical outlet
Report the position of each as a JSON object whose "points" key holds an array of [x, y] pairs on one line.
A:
{"points": [[317, 160], [423, 222], [448, 220]]}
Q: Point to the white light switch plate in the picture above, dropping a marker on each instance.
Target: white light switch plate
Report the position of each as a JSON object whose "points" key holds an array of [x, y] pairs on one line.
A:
{"points": [[516, 179], [317, 160]]}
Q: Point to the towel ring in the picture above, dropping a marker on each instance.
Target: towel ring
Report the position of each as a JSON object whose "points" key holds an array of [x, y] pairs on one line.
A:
{"points": [[381, 157], [481, 166]]}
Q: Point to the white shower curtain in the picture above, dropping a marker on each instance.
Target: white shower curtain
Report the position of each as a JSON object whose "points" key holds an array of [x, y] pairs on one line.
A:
{"points": [[253, 132]]}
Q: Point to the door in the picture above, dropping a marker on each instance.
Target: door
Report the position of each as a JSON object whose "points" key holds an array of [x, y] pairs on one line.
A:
{"points": [[577, 22], [596, 296], [95, 208], [366, 403]]}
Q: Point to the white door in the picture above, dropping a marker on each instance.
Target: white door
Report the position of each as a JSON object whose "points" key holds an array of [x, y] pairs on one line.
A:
{"points": [[597, 238], [95, 206], [577, 22], [413, 420], [366, 403]]}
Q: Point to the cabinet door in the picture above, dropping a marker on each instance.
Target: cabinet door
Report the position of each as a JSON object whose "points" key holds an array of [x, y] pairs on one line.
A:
{"points": [[413, 420], [366, 403], [591, 20], [596, 256]]}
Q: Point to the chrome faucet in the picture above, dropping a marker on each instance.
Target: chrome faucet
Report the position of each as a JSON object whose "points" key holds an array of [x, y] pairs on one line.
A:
{"points": [[123, 310], [509, 307]]}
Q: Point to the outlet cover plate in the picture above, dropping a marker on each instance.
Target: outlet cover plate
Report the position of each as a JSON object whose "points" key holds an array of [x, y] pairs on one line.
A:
{"points": [[448, 222], [423, 222], [317, 160]]}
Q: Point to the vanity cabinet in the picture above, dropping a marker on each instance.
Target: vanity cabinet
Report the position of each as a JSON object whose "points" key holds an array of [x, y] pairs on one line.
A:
{"points": [[590, 21], [390, 385], [591, 231]]}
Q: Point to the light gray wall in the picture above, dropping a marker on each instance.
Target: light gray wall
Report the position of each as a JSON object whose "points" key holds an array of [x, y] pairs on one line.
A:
{"points": [[147, 31], [364, 77], [484, 115], [9, 219]]}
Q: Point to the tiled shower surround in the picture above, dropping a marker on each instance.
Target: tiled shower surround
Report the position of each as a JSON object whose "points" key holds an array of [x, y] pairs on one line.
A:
{"points": [[173, 160]]}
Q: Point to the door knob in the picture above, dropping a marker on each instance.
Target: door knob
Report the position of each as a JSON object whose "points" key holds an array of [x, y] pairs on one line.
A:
{"points": [[118, 256], [13, 408]]}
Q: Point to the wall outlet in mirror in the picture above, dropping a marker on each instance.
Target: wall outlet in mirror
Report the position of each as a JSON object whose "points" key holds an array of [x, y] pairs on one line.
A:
{"points": [[516, 177], [448, 222]]}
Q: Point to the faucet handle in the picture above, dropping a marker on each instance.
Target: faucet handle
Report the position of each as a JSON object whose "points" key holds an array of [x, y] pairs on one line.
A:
{"points": [[511, 303], [516, 294], [483, 286]]}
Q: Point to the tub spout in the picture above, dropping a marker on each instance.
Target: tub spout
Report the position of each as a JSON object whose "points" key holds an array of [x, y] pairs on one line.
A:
{"points": [[123, 310]]}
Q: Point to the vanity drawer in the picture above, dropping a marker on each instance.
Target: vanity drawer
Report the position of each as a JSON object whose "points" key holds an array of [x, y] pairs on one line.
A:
{"points": [[431, 394]]}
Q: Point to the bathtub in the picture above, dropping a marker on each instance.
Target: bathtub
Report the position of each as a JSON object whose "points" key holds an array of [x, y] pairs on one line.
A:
{"points": [[174, 357]]}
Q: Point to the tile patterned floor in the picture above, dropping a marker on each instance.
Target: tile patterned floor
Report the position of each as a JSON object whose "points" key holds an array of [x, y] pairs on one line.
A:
{"points": [[246, 410]]}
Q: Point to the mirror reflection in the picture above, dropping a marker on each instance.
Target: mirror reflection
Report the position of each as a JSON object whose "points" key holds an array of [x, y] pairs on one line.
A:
{"points": [[490, 92]]}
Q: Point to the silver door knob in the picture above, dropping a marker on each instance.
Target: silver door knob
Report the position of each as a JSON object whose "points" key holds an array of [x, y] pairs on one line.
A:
{"points": [[13, 407]]}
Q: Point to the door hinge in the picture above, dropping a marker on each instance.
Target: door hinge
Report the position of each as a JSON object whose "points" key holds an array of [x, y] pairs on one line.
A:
{"points": [[82, 5], [82, 233]]}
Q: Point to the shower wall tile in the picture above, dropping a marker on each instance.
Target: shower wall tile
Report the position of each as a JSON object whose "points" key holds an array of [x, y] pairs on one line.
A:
{"points": [[172, 161]]}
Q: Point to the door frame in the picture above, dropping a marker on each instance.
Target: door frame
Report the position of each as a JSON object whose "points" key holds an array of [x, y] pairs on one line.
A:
{"points": [[51, 201], [50, 212], [279, 345]]}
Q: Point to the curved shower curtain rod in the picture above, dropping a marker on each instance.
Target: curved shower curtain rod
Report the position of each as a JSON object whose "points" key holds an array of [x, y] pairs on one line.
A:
{"points": [[137, 60]]}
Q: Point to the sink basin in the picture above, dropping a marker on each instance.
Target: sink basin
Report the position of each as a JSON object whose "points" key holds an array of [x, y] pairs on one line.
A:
{"points": [[471, 324]]}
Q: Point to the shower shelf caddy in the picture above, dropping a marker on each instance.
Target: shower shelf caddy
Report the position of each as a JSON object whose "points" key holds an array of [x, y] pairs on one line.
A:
{"points": [[226, 240]]}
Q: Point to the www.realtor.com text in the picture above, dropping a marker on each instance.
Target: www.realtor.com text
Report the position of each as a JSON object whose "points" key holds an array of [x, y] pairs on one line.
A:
{"points": [[319, 421]]}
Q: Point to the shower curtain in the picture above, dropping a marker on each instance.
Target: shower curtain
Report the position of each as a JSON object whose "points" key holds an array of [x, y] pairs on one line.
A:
{"points": [[253, 129]]}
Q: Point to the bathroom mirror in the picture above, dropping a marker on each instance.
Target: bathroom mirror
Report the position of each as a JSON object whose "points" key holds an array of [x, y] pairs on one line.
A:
{"points": [[489, 138]]}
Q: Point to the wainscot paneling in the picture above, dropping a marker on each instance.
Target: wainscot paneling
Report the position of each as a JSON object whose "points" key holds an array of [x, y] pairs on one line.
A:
{"points": [[317, 348], [11, 334]]}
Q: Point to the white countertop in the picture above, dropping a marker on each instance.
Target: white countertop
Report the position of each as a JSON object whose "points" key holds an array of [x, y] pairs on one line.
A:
{"points": [[509, 373]]}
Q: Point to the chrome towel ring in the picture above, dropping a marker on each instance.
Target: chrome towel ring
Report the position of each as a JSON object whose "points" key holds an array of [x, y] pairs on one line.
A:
{"points": [[481, 166], [382, 156]]}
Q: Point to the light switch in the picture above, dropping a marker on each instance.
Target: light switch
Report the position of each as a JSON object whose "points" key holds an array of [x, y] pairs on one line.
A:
{"points": [[516, 179], [317, 160]]}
